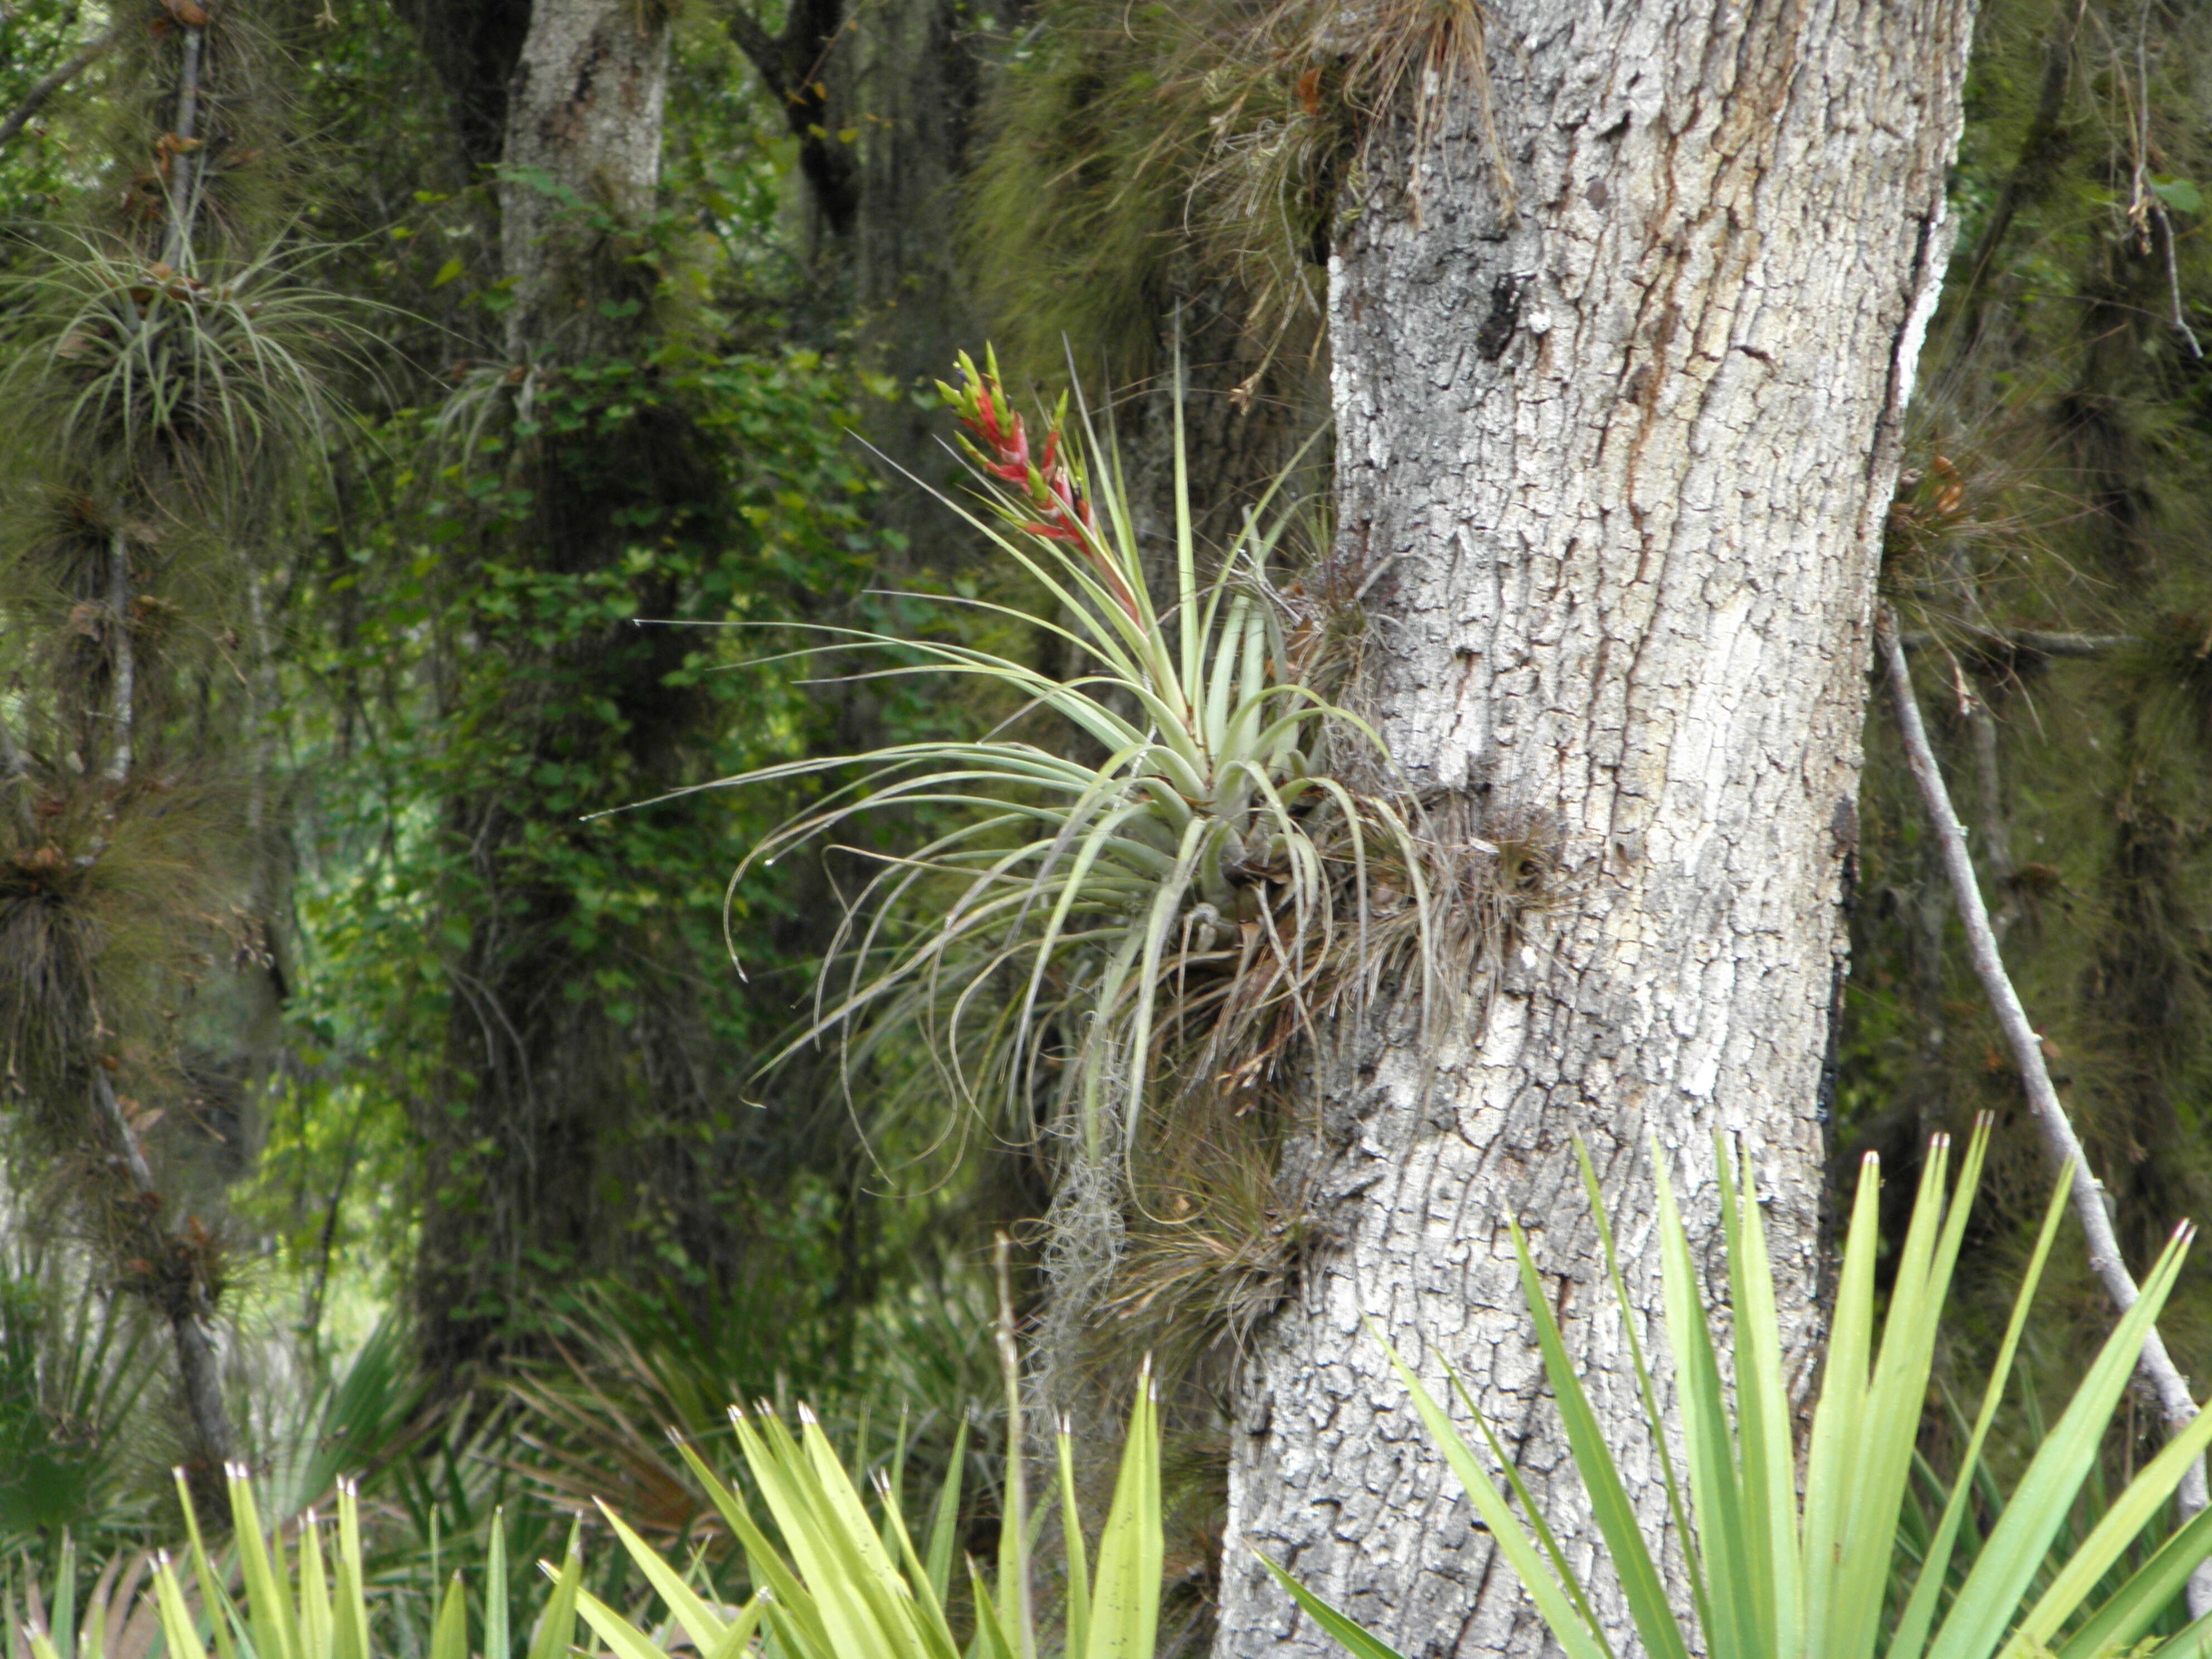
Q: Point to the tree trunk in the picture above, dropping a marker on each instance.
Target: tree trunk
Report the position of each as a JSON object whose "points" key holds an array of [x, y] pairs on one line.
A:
{"points": [[583, 132], [472, 47], [1618, 464], [545, 1083]]}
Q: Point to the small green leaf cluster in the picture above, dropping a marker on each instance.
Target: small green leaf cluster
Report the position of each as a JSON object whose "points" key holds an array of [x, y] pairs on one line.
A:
{"points": [[1140, 151], [36, 41]]}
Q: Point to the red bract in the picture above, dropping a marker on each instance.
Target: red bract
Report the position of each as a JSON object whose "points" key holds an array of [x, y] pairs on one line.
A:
{"points": [[1003, 452], [1059, 510]]}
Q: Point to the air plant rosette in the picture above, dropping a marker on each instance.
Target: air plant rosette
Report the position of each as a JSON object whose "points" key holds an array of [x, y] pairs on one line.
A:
{"points": [[1160, 903]]}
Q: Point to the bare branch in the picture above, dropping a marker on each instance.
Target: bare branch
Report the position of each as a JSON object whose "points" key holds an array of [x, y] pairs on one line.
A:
{"points": [[129, 1147], [182, 200], [48, 85], [1996, 832], [792, 65], [2065, 644], [2155, 1367], [2032, 642], [765, 51]]}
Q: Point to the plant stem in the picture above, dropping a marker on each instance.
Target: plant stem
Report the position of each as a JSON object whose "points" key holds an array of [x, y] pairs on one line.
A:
{"points": [[125, 662], [198, 1367], [2155, 1366], [178, 246]]}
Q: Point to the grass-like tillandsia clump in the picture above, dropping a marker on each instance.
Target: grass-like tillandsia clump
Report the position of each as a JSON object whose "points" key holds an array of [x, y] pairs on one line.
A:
{"points": [[1781, 1570], [1177, 879], [1138, 151], [207, 374]]}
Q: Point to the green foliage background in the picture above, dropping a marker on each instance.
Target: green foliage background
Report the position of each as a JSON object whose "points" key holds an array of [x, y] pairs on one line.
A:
{"points": [[2057, 485]]}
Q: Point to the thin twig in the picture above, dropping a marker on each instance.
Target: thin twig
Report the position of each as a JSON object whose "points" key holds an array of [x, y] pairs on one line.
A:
{"points": [[2155, 1366], [2031, 641], [259, 704], [2174, 279], [1997, 838], [48, 85], [2043, 644], [126, 1138]]}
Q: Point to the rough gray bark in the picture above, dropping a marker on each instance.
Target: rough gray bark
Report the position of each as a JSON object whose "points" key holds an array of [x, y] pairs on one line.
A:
{"points": [[583, 132], [1626, 456]]}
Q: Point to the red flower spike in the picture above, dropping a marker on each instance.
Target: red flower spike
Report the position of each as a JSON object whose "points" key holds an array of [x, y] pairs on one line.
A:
{"points": [[1060, 510]]}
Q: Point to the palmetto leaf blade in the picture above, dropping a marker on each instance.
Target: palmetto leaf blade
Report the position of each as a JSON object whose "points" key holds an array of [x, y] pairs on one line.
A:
{"points": [[2014, 1550], [1769, 1465], [1708, 1444], [1616, 1517], [1910, 1639], [1567, 1616]]}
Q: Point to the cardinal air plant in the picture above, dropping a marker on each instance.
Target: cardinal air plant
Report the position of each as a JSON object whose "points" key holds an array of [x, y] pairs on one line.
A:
{"points": [[1165, 890]]}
